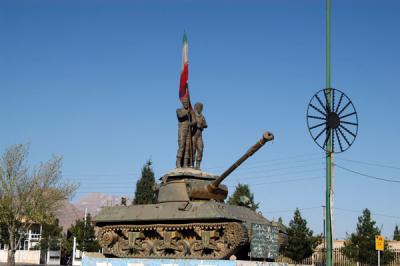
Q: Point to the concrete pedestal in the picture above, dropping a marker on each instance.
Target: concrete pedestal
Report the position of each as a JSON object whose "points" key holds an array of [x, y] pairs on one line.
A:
{"points": [[99, 261]]}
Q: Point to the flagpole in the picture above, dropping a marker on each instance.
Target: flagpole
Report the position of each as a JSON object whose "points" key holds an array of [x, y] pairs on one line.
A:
{"points": [[190, 131]]}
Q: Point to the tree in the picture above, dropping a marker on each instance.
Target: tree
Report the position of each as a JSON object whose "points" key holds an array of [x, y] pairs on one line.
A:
{"points": [[360, 246], [51, 237], [3, 234], [85, 236], [243, 197], [145, 193], [28, 196], [396, 233], [300, 240]]}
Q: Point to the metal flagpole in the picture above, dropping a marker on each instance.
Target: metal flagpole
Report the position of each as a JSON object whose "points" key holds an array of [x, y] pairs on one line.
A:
{"points": [[329, 153]]}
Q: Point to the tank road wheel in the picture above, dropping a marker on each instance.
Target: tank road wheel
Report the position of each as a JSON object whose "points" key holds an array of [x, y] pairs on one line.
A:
{"points": [[196, 249], [158, 249], [121, 248], [182, 248], [220, 249], [146, 248], [107, 238], [235, 236]]}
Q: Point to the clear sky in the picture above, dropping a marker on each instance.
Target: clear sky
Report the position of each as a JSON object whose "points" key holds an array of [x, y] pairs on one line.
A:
{"points": [[97, 82]]}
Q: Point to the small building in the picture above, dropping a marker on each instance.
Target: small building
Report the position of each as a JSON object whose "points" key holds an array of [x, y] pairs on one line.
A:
{"points": [[31, 239], [25, 252]]}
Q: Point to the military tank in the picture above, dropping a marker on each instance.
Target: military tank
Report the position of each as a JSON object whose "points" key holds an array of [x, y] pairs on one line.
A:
{"points": [[190, 219]]}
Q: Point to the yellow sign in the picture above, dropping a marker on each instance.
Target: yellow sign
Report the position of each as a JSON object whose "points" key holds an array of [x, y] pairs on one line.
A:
{"points": [[379, 243]]}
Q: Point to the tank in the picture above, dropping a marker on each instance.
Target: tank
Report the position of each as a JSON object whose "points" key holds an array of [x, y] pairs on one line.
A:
{"points": [[190, 219]]}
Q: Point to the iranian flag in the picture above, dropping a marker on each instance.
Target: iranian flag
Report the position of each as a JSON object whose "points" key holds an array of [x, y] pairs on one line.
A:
{"points": [[183, 84]]}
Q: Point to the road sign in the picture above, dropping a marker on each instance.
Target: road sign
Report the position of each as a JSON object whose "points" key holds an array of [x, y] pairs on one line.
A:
{"points": [[379, 243]]}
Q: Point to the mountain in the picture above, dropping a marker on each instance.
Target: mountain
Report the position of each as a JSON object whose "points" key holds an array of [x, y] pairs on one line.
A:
{"points": [[68, 214], [94, 201]]}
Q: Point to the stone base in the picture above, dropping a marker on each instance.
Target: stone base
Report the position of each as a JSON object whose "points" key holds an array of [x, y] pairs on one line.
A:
{"points": [[91, 260]]}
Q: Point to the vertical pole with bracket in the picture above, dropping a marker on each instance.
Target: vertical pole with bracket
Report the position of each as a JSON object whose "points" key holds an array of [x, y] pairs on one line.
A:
{"points": [[329, 153]]}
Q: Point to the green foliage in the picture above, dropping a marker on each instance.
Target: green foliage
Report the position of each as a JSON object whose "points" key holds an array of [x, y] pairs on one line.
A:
{"points": [[360, 246], [51, 237], [396, 233], [85, 236], [301, 242], [243, 197], [145, 193]]}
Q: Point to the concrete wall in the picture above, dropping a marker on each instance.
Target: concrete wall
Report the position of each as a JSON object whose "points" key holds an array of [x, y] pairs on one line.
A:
{"points": [[22, 256], [54, 257]]}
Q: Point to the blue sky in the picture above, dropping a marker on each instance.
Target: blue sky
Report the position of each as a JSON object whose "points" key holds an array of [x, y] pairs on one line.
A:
{"points": [[97, 82]]}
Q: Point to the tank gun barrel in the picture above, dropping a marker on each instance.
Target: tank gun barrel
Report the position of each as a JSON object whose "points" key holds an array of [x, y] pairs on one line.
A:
{"points": [[267, 136]]}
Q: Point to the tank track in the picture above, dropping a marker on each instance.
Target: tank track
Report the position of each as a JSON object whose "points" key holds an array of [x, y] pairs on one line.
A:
{"points": [[192, 240]]}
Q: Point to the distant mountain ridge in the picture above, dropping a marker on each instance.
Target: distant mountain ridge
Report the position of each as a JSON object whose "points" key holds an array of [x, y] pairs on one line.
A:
{"points": [[92, 202]]}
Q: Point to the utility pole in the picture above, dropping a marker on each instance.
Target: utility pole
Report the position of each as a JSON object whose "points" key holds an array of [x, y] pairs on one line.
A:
{"points": [[74, 251], [333, 117], [84, 232], [324, 224], [329, 150]]}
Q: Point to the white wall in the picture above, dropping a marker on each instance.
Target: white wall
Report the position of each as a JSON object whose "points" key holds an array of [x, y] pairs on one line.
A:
{"points": [[54, 257], [22, 256]]}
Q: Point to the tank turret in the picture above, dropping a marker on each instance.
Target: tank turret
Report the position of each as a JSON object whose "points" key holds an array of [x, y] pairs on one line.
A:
{"points": [[187, 184]]}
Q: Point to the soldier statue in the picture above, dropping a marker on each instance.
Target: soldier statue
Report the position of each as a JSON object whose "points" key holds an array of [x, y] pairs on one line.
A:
{"points": [[197, 139], [185, 120]]}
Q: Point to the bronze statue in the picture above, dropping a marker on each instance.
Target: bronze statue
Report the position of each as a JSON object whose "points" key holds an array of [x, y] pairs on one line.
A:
{"points": [[197, 139], [184, 155]]}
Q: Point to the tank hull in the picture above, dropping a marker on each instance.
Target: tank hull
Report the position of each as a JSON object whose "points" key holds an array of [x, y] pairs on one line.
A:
{"points": [[201, 230]]}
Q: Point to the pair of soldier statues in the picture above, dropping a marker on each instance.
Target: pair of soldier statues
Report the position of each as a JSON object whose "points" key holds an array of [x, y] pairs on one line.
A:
{"points": [[190, 135]]}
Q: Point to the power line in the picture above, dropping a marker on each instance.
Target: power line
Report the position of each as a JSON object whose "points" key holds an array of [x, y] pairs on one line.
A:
{"points": [[366, 175], [279, 174], [246, 176], [368, 163], [376, 214], [300, 209], [270, 161], [287, 181], [114, 183], [244, 170], [267, 163], [107, 189]]}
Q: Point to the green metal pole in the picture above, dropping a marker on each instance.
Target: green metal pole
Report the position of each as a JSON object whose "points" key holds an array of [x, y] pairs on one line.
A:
{"points": [[328, 43], [329, 158]]}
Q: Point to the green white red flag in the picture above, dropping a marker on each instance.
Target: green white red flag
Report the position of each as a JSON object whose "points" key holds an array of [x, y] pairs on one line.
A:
{"points": [[183, 84]]}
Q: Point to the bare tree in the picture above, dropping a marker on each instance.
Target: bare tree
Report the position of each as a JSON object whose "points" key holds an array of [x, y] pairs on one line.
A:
{"points": [[28, 196]]}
